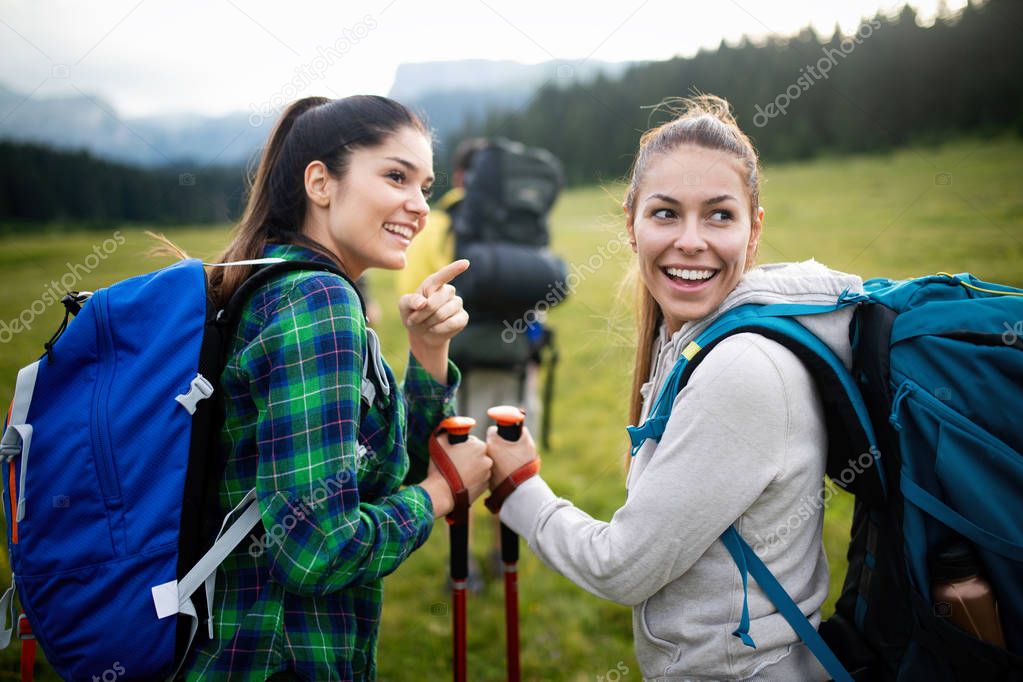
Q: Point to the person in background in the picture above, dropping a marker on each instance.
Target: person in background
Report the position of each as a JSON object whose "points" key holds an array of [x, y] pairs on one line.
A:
{"points": [[481, 387]]}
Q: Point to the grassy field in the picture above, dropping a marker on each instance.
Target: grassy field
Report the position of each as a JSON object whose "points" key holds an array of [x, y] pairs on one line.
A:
{"points": [[913, 212]]}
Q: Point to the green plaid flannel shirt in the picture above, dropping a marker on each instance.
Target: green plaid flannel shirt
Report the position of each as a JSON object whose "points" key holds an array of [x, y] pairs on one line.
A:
{"points": [[306, 594]]}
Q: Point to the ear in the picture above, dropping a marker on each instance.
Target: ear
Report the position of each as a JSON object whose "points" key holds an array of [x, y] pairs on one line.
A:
{"points": [[318, 184], [756, 228], [630, 226]]}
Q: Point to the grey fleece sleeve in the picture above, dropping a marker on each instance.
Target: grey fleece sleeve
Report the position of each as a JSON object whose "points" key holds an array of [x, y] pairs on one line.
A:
{"points": [[723, 444]]}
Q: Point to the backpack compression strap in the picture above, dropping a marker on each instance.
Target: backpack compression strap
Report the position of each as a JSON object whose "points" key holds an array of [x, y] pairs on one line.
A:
{"points": [[16, 442]]}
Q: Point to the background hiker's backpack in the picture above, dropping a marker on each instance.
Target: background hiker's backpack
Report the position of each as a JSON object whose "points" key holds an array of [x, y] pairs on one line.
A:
{"points": [[110, 466], [928, 422], [502, 227]]}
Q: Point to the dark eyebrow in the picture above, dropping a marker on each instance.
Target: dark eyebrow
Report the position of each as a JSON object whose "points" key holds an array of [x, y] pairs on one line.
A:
{"points": [[663, 197], [671, 200], [719, 199], [408, 164]]}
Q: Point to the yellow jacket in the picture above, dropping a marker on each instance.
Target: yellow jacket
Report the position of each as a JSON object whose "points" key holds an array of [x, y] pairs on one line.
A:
{"points": [[433, 248]]}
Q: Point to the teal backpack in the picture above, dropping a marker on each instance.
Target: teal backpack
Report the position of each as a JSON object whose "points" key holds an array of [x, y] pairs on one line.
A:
{"points": [[930, 420]]}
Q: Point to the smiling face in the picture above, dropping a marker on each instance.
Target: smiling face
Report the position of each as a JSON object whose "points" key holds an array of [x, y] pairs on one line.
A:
{"points": [[369, 216], [693, 230]]}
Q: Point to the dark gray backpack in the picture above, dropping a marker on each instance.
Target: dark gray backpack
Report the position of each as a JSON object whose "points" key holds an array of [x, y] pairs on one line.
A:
{"points": [[502, 227]]}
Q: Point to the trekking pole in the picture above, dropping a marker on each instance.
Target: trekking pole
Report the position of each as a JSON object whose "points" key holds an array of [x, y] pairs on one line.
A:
{"points": [[548, 389], [457, 429], [509, 426]]}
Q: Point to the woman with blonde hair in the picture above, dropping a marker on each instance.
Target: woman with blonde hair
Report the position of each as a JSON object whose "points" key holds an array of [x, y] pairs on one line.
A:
{"points": [[745, 443]]}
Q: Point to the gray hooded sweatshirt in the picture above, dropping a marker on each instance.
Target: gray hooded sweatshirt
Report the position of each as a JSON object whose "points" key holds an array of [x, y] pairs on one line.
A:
{"points": [[745, 444]]}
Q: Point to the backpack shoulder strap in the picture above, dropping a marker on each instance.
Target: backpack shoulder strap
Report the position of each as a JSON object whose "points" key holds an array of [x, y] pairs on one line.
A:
{"points": [[374, 376], [240, 521], [176, 596], [849, 428], [231, 312], [750, 564], [850, 431]]}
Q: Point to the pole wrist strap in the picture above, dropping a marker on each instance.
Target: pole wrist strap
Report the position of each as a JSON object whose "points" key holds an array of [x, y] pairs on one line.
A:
{"points": [[509, 485]]}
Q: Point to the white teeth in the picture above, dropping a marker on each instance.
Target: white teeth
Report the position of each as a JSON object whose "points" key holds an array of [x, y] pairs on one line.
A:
{"points": [[401, 230], [690, 274]]}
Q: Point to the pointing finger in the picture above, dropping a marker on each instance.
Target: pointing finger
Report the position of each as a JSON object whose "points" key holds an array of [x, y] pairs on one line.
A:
{"points": [[447, 273]]}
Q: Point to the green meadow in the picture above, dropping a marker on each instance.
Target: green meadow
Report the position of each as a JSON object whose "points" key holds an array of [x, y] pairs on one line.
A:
{"points": [[956, 207]]}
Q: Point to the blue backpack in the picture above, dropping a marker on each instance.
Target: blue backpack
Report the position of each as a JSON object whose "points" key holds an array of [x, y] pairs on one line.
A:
{"points": [[110, 464], [926, 432]]}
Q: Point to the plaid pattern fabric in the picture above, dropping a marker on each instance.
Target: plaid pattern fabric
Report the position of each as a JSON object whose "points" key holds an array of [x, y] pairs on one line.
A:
{"points": [[306, 594]]}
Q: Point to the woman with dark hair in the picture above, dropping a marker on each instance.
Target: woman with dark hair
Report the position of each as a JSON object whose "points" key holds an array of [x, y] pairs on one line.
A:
{"points": [[745, 442], [342, 182]]}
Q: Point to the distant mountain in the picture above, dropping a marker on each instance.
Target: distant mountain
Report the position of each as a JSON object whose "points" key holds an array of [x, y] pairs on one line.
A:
{"points": [[91, 123], [451, 92], [447, 92], [412, 81]]}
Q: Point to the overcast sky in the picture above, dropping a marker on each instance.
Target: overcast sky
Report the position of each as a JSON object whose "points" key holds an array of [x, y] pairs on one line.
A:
{"points": [[217, 56]]}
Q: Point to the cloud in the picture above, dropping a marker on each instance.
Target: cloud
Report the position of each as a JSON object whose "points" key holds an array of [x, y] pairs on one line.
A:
{"points": [[216, 56]]}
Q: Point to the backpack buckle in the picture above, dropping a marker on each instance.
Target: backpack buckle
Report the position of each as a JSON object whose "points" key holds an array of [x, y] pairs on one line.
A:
{"points": [[199, 389], [24, 627], [653, 427], [11, 444]]}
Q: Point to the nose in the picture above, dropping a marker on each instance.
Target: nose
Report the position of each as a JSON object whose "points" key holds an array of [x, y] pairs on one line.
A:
{"points": [[690, 239], [417, 204]]}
